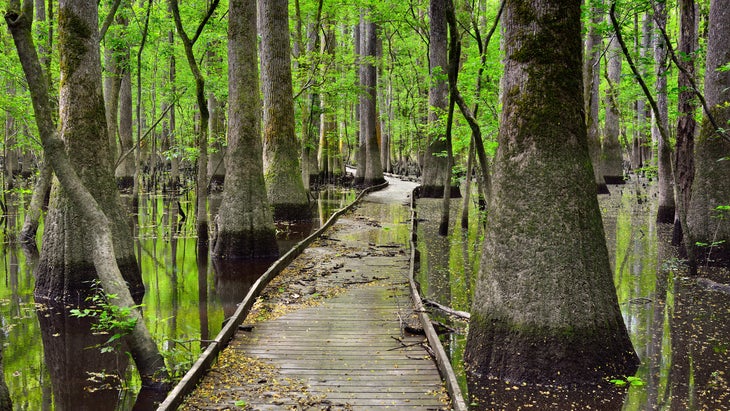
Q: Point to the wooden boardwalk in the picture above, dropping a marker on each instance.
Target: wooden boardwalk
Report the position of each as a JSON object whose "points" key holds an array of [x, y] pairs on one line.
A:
{"points": [[350, 352]]}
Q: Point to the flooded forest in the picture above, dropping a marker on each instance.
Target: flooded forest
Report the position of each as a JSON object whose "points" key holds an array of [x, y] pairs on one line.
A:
{"points": [[572, 209]]}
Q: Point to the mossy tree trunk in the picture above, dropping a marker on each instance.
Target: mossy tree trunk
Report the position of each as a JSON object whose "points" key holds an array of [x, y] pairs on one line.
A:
{"points": [[359, 136], [125, 171], [666, 209], [435, 162], [311, 107], [591, 83], [66, 267], [686, 124], [79, 212], [708, 226], [368, 103], [545, 307], [328, 147], [245, 222], [217, 132], [612, 155], [282, 171]]}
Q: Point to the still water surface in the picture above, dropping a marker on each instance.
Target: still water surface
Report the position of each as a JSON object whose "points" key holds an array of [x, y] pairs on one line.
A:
{"points": [[679, 326], [51, 359]]}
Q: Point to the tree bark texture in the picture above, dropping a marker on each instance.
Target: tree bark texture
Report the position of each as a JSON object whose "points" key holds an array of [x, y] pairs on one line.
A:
{"points": [[435, 161], [666, 209], [312, 107], [217, 132], [711, 185], [33, 215], [112, 86], [591, 83], [359, 138], [686, 124], [327, 146], [126, 169], [545, 307], [245, 222], [282, 171], [368, 104], [66, 266], [612, 155], [78, 27]]}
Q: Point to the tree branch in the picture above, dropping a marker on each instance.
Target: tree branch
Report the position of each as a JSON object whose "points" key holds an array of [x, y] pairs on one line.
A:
{"points": [[719, 130], [108, 20]]}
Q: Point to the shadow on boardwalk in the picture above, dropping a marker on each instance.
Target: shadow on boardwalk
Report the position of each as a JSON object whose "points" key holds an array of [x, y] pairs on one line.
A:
{"points": [[328, 333]]}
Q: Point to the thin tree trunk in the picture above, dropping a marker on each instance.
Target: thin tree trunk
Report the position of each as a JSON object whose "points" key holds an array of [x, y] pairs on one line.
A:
{"points": [[686, 124], [33, 215], [126, 170], [612, 164], [359, 134], [466, 197], [666, 209], [591, 82], [201, 181]]}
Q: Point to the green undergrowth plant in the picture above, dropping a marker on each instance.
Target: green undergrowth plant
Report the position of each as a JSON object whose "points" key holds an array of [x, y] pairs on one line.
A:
{"points": [[631, 381], [108, 318]]}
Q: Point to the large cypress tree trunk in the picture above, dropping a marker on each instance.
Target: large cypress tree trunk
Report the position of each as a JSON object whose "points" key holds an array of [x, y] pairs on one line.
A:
{"points": [[81, 78], [613, 172], [66, 267], [245, 223], [435, 161], [282, 173], [707, 224], [665, 212], [545, 307]]}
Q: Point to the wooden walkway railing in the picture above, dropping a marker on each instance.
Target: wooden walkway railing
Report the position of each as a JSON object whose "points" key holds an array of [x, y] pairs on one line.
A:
{"points": [[351, 350]]}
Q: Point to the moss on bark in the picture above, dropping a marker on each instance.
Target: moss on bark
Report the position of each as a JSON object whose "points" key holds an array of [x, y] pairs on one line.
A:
{"points": [[545, 289], [547, 354]]}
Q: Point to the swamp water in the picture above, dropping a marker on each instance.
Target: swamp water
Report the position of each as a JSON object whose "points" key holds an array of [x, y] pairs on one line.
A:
{"points": [[51, 359], [678, 325]]}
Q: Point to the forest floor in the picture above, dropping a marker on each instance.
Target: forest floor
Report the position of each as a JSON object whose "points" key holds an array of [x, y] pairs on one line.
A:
{"points": [[338, 263]]}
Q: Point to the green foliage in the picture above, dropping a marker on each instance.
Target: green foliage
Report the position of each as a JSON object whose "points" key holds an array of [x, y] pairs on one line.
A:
{"points": [[631, 381], [109, 318]]}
